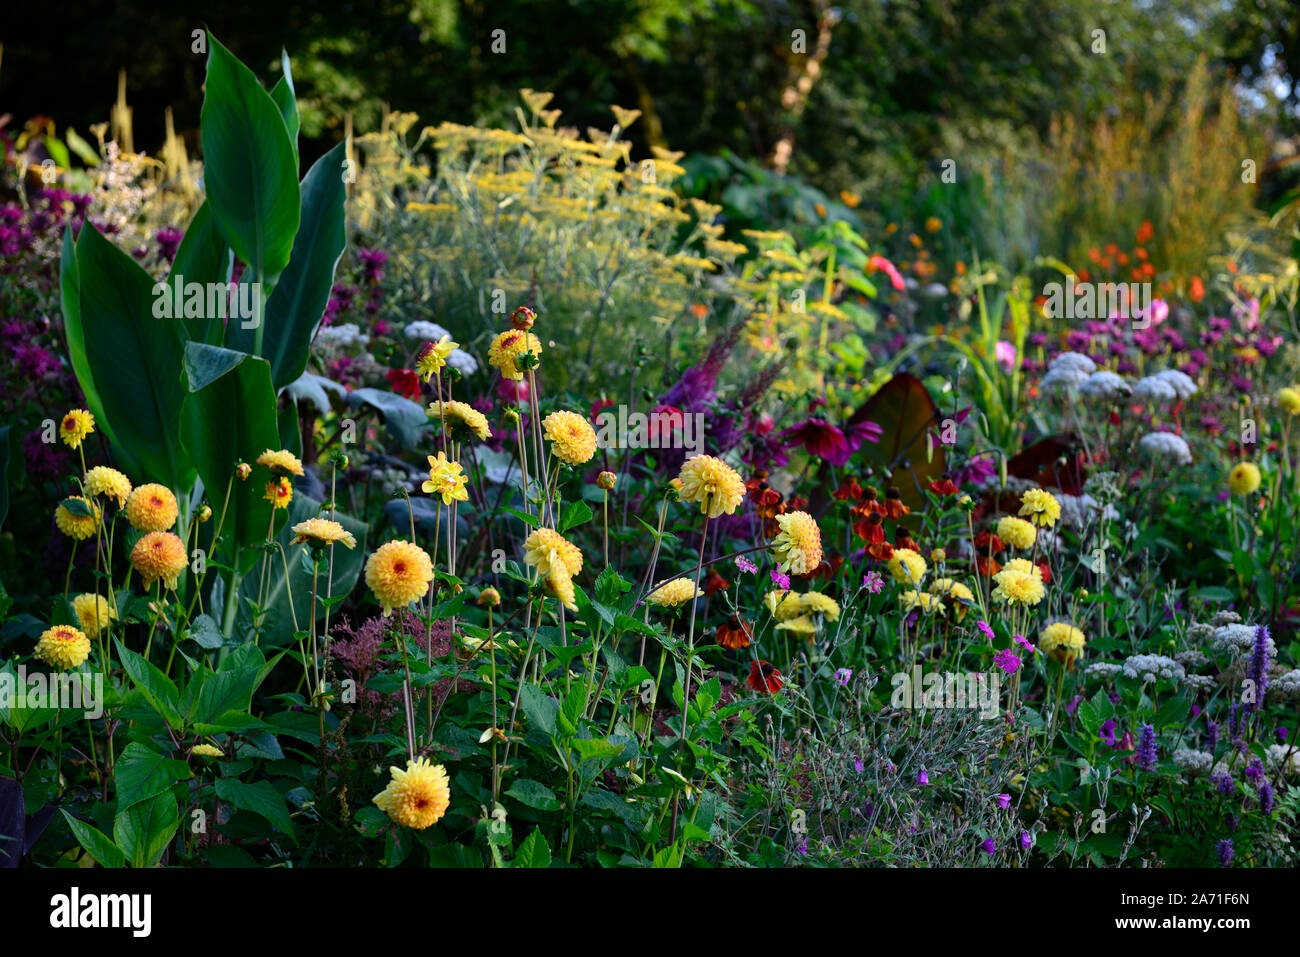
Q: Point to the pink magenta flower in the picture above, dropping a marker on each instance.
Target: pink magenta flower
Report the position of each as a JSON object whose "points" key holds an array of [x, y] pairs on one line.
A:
{"points": [[890, 270]]}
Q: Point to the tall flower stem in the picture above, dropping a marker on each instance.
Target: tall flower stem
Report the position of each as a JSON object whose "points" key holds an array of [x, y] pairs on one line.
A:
{"points": [[690, 634]]}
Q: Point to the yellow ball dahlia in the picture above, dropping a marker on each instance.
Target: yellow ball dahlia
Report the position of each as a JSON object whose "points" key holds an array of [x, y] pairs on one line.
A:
{"points": [[1244, 478], [545, 546], [77, 517], [461, 418], [399, 573], [1289, 399], [558, 583], [799, 625], [782, 604], [1017, 587], [1016, 532], [927, 603], [75, 426], [798, 546], [416, 797], [94, 612], [63, 647], [713, 484], [573, 440], [102, 480], [282, 462], [151, 508], [506, 349], [1040, 507], [159, 555], [815, 602], [1062, 641], [321, 533], [907, 566], [674, 593]]}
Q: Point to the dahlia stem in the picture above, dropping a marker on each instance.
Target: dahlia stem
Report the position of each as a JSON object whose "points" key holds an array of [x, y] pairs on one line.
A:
{"points": [[690, 635]]}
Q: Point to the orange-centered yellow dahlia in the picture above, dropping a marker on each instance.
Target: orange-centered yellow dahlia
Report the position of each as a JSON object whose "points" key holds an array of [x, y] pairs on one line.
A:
{"points": [[77, 517], [573, 440], [159, 555], [545, 546], [63, 647], [1040, 507], [282, 462], [416, 797], [433, 356], [462, 419], [798, 546], [74, 428], [102, 480], [398, 573], [151, 508], [279, 492], [506, 349], [713, 484]]}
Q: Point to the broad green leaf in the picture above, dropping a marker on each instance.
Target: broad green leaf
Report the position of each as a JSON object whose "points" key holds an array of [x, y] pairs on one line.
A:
{"points": [[575, 514], [260, 798], [405, 419], [533, 852], [143, 830], [535, 795], [203, 257], [96, 843], [159, 690], [141, 772], [250, 170]]}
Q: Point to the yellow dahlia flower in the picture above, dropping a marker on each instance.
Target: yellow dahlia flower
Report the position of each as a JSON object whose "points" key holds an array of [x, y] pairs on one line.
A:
{"points": [[461, 417], [1244, 478], [151, 508], [1062, 641], [1016, 532], [433, 356], [321, 532], [102, 480], [506, 349], [1014, 586], [782, 605], [94, 612], [817, 603], [906, 566], [416, 797], [799, 625], [159, 555], [926, 602], [1041, 507], [1289, 399], [282, 462], [399, 573], [74, 428], [674, 593], [558, 583], [573, 440], [446, 478], [279, 492], [713, 484], [72, 523], [545, 546], [954, 591], [798, 546], [63, 647], [207, 751]]}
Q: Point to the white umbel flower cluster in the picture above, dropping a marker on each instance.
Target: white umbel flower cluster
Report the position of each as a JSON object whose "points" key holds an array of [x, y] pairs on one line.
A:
{"points": [[1284, 756], [347, 335], [1193, 762], [1180, 382], [1067, 373], [1286, 685], [1154, 389], [1153, 668], [1167, 446], [1240, 640], [1106, 385]]}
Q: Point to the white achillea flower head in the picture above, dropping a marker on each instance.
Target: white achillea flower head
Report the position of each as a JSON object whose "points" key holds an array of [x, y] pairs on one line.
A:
{"points": [[1073, 362], [1153, 668], [1103, 384], [1166, 445], [1180, 382], [1155, 389], [1063, 379]]}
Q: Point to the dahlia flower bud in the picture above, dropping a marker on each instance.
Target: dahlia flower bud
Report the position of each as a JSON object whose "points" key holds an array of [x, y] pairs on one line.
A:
{"points": [[523, 318], [606, 480], [243, 470], [205, 513], [489, 598]]}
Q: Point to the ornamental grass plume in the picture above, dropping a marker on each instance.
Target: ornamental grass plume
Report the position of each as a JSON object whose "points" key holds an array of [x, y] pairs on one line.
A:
{"points": [[417, 796], [63, 647], [109, 483], [398, 573], [712, 484], [159, 555], [152, 508], [572, 438], [798, 546]]}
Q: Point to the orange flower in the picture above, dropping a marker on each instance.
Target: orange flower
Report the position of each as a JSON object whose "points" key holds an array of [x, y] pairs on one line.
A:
{"points": [[735, 634], [763, 676]]}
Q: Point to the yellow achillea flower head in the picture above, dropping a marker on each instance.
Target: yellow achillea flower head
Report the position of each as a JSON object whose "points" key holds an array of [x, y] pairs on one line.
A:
{"points": [[816, 603], [321, 532], [207, 751], [573, 440], [799, 625], [75, 525], [782, 604], [558, 583], [906, 566], [102, 480], [279, 492], [545, 546], [159, 555], [461, 418], [151, 508], [446, 478], [1289, 399], [1062, 641], [94, 612], [1018, 587], [1244, 478], [282, 462], [416, 797], [63, 647], [712, 484], [674, 593], [506, 349], [1041, 508], [927, 603], [74, 428], [398, 573], [433, 356], [798, 546], [1016, 532]]}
